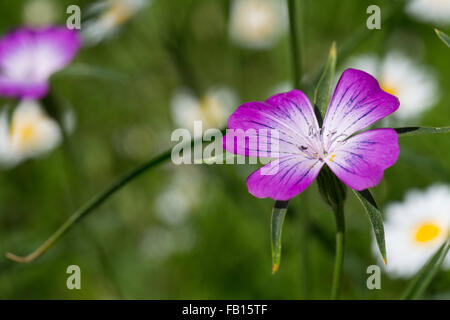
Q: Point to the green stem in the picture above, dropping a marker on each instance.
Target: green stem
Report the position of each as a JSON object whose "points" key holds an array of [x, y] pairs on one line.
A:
{"points": [[340, 243], [307, 273], [295, 45], [95, 202]]}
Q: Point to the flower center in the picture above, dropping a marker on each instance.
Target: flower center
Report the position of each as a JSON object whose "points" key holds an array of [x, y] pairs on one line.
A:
{"points": [[212, 111], [23, 134], [27, 134], [426, 232], [118, 14], [389, 88], [260, 21]]}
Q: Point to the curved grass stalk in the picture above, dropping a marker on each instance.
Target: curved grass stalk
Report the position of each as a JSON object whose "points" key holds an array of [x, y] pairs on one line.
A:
{"points": [[95, 202]]}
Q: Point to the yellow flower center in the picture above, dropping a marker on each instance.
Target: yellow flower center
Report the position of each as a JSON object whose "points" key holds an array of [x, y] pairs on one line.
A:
{"points": [[24, 134], [27, 133], [427, 232], [389, 88], [211, 110], [118, 13]]}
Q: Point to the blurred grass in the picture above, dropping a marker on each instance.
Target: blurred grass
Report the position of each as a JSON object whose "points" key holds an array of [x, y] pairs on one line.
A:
{"points": [[230, 257]]}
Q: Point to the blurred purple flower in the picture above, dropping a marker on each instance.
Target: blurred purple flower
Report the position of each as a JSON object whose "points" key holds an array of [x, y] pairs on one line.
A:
{"points": [[303, 148], [28, 57]]}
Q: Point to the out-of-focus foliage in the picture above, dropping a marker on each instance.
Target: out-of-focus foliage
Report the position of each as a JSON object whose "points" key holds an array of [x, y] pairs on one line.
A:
{"points": [[135, 246]]}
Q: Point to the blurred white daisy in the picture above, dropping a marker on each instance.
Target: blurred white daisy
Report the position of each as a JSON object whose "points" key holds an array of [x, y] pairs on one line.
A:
{"points": [[213, 109], [415, 229], [432, 11], [257, 24], [414, 85], [30, 133], [180, 197], [159, 243], [109, 16]]}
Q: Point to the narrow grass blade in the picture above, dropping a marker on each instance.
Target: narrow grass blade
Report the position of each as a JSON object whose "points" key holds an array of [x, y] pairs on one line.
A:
{"points": [[295, 44], [94, 203], [444, 37], [376, 219], [323, 89], [413, 131], [421, 281], [276, 228]]}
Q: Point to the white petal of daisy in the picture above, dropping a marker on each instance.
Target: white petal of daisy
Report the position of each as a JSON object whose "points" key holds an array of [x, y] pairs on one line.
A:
{"points": [[8, 159], [414, 85], [114, 13], [180, 197], [185, 109], [433, 11], [368, 63], [257, 24], [415, 228], [159, 243], [29, 134]]}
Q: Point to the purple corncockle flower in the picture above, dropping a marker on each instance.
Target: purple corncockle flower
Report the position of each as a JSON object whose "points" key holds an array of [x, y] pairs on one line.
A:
{"points": [[303, 148], [28, 57]]}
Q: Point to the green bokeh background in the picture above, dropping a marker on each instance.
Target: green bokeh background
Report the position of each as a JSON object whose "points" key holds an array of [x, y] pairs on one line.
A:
{"points": [[230, 254]]}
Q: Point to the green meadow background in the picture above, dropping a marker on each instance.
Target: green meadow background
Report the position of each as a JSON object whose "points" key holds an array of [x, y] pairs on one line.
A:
{"points": [[120, 91]]}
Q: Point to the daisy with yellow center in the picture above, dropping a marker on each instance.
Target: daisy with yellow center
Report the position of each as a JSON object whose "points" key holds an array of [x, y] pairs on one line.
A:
{"points": [[414, 85], [257, 24], [415, 228], [110, 15], [212, 109], [30, 133]]}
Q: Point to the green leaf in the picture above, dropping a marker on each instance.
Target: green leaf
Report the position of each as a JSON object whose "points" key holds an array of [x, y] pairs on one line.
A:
{"points": [[376, 219], [276, 228], [444, 37], [413, 131], [322, 92], [421, 281]]}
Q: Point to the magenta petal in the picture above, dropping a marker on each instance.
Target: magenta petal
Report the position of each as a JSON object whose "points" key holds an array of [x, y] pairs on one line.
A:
{"points": [[283, 178], [290, 114], [357, 102], [361, 160], [9, 88], [28, 57]]}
